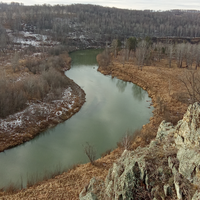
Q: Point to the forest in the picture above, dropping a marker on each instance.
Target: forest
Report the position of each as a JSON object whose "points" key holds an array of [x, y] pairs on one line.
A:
{"points": [[88, 25]]}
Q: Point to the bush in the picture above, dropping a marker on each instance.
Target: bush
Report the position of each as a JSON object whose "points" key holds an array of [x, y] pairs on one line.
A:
{"points": [[12, 98], [58, 50], [14, 95], [191, 81], [38, 66], [104, 58], [35, 87], [54, 78], [127, 141], [34, 66], [90, 152]]}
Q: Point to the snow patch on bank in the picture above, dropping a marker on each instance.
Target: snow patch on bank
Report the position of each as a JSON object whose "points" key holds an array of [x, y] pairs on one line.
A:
{"points": [[29, 38], [12, 124], [35, 112]]}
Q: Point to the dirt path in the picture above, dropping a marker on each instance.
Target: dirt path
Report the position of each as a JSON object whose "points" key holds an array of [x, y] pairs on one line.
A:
{"points": [[164, 89]]}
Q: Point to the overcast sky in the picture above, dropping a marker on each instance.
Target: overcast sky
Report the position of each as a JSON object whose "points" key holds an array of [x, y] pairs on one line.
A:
{"points": [[130, 4]]}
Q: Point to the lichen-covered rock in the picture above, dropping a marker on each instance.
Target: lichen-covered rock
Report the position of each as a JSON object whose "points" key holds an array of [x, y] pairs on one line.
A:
{"points": [[167, 190], [187, 132], [189, 162], [177, 187], [196, 195], [89, 196], [88, 193], [168, 168], [164, 129], [125, 176]]}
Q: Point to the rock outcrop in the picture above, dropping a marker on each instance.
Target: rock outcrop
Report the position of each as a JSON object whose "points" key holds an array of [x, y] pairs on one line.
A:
{"points": [[168, 168]]}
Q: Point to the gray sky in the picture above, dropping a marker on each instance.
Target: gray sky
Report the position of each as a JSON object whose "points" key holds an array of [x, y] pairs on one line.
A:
{"points": [[129, 4]]}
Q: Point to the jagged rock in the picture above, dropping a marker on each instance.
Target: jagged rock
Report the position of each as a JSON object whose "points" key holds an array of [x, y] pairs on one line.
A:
{"points": [[89, 196], [167, 190], [177, 187], [196, 195], [189, 161], [124, 176], [164, 129], [187, 130], [89, 191], [168, 167]]}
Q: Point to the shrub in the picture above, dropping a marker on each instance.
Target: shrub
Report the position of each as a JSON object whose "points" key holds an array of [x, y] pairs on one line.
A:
{"points": [[14, 95], [54, 78], [191, 81], [12, 98], [104, 58], [90, 152], [128, 139], [58, 50], [35, 87]]}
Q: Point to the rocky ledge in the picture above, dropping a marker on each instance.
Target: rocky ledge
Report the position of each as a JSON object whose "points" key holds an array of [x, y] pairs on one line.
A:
{"points": [[168, 168]]}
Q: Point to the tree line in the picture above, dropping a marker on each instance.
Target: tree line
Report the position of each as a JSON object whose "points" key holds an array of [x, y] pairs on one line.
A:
{"points": [[146, 52], [97, 22], [45, 84], [143, 52]]}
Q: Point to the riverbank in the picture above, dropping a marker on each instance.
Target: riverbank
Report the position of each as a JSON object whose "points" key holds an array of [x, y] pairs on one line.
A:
{"points": [[155, 80], [39, 115], [163, 86]]}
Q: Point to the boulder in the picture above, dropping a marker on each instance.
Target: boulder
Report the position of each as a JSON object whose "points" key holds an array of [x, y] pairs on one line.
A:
{"points": [[169, 167]]}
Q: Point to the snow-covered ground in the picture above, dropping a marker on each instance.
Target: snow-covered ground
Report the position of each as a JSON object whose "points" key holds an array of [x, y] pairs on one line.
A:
{"points": [[34, 112], [28, 38]]}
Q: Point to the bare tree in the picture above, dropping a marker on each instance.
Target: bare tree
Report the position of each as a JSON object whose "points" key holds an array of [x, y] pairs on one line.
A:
{"points": [[159, 47], [180, 52], [4, 39], [124, 53], [170, 51], [130, 45], [127, 141], [116, 44], [188, 54], [104, 58], [191, 81], [197, 55], [90, 152], [141, 53], [15, 62]]}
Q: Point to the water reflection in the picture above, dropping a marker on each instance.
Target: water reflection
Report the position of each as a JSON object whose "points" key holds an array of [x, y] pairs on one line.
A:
{"points": [[121, 85], [85, 57], [138, 93]]}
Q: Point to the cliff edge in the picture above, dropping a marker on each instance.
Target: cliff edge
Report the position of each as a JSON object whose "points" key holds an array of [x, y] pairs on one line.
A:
{"points": [[168, 168]]}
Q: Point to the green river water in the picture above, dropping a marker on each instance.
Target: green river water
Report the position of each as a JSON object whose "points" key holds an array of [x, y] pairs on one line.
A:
{"points": [[112, 107]]}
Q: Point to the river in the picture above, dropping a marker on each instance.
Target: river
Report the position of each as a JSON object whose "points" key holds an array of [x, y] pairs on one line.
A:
{"points": [[112, 107]]}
